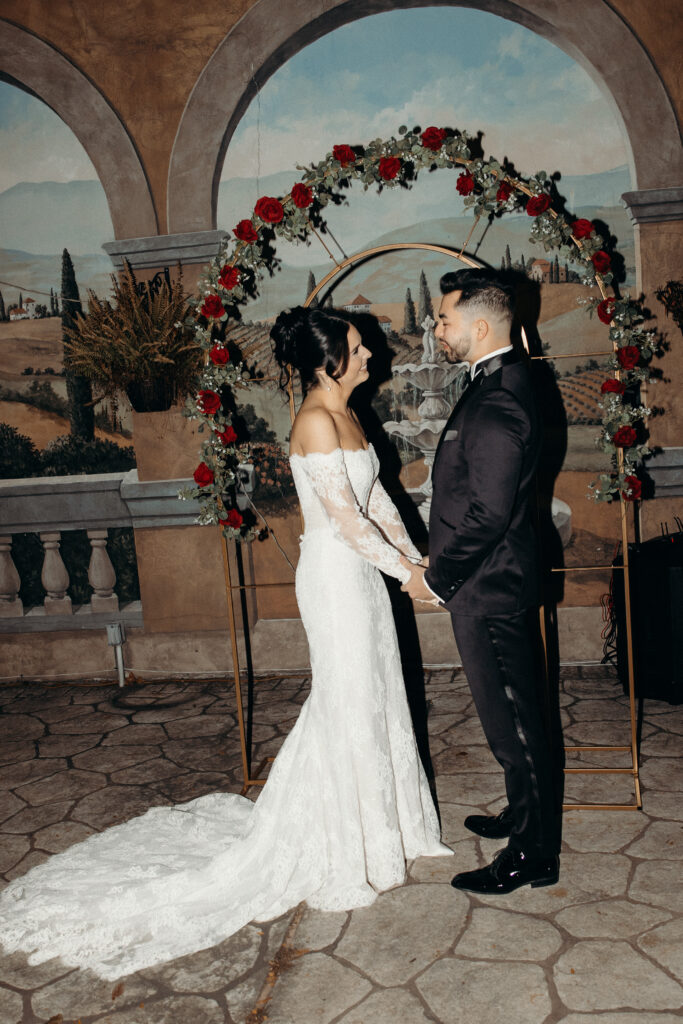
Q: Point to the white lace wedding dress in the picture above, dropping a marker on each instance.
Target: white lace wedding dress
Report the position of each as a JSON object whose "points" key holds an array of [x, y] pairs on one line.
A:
{"points": [[346, 803]]}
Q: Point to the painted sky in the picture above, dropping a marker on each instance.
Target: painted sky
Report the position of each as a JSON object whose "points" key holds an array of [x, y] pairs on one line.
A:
{"points": [[429, 66], [451, 66], [35, 143]]}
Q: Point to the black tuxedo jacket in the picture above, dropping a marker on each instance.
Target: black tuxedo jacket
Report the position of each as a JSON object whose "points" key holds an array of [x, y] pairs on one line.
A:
{"points": [[482, 545]]}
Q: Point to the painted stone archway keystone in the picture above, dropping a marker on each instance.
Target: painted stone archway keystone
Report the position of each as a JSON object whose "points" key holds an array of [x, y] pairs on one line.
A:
{"points": [[233, 278]]}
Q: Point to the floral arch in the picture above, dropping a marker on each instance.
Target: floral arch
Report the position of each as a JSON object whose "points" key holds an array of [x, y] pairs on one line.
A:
{"points": [[490, 189]]}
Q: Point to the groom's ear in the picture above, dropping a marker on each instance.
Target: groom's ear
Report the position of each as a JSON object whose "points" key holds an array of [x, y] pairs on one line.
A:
{"points": [[481, 328]]}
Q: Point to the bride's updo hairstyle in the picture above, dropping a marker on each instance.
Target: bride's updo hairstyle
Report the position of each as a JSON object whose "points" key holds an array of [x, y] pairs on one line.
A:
{"points": [[311, 340]]}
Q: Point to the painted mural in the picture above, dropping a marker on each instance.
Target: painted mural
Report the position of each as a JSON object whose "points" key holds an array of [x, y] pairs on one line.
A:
{"points": [[533, 105]]}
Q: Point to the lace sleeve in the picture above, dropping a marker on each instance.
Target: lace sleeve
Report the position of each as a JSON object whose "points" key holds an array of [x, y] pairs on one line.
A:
{"points": [[328, 478], [383, 512]]}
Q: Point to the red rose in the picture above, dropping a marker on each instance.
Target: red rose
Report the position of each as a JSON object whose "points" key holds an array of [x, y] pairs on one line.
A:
{"points": [[227, 436], [302, 196], [538, 204], [245, 231], [208, 402], [582, 228], [504, 191], [233, 519], [344, 154], [229, 277], [628, 356], [465, 184], [389, 166], [219, 355], [613, 386], [433, 138], [203, 476], [634, 487], [624, 437], [269, 210], [213, 307], [601, 261], [605, 310]]}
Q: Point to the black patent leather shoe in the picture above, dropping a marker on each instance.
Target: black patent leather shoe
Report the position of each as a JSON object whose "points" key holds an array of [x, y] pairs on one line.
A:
{"points": [[497, 826], [509, 870]]}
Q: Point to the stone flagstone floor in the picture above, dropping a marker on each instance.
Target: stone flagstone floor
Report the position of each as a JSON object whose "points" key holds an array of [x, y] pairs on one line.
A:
{"points": [[605, 944]]}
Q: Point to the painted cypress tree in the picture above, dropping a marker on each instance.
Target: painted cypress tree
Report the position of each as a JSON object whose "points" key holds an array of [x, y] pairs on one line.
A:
{"points": [[424, 306], [508, 258], [557, 270], [310, 285], [21, 300], [3, 314], [409, 322], [78, 389]]}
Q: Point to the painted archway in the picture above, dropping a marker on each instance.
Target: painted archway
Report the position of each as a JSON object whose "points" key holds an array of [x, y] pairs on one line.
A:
{"points": [[272, 31], [32, 64]]}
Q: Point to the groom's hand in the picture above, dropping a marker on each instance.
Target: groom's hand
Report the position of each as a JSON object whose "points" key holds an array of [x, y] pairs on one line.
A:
{"points": [[415, 586]]}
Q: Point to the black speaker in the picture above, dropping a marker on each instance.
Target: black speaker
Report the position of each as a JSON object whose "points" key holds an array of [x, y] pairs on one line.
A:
{"points": [[656, 579]]}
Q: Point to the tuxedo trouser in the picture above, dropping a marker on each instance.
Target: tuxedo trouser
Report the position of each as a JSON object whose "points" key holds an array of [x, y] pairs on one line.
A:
{"points": [[501, 666]]}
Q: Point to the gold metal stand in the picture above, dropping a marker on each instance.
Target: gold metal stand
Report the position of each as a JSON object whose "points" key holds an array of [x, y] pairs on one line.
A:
{"points": [[256, 779], [230, 587], [632, 747]]}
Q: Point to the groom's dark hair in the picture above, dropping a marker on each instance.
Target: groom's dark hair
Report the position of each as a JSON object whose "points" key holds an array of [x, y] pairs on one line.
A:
{"points": [[481, 289]]}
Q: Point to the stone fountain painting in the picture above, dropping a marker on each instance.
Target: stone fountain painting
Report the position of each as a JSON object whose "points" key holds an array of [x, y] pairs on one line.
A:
{"points": [[430, 378]]}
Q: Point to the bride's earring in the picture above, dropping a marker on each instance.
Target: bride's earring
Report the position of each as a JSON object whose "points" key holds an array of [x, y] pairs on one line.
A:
{"points": [[328, 387]]}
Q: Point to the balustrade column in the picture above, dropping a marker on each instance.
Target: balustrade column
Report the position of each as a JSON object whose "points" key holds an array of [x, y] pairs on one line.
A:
{"points": [[54, 577], [101, 574], [10, 602]]}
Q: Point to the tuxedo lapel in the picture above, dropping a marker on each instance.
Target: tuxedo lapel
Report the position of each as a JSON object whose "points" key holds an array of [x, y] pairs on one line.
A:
{"points": [[483, 371], [467, 393]]}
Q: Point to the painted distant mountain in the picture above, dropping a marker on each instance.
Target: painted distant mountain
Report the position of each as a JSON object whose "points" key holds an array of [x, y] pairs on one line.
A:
{"points": [[36, 273], [48, 216], [45, 217], [38, 220]]}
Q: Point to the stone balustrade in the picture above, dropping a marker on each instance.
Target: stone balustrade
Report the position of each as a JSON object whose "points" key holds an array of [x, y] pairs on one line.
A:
{"points": [[50, 506]]}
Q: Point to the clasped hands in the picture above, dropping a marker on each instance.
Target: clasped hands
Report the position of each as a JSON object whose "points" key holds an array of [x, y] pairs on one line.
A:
{"points": [[416, 586]]}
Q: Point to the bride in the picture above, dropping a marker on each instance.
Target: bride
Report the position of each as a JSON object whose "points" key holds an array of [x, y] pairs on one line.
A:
{"points": [[347, 800]]}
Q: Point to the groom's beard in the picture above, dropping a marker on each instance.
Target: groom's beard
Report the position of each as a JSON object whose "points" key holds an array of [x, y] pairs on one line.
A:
{"points": [[458, 350]]}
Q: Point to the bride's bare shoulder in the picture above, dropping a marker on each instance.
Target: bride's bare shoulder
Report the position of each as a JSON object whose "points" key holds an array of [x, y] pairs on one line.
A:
{"points": [[314, 430]]}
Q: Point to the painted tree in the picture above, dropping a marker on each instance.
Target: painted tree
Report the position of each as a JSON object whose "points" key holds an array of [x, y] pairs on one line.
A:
{"points": [[508, 258], [424, 306], [409, 321], [3, 314], [557, 270], [21, 300], [78, 389], [310, 285]]}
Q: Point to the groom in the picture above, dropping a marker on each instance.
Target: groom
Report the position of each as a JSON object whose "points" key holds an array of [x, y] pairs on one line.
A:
{"points": [[482, 567]]}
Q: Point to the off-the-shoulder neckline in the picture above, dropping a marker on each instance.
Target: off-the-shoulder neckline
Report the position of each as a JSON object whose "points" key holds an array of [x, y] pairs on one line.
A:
{"points": [[344, 451]]}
